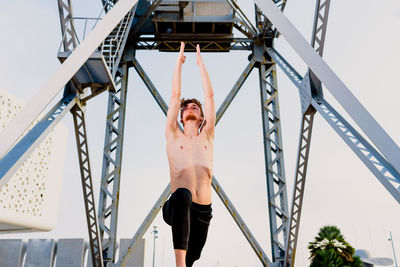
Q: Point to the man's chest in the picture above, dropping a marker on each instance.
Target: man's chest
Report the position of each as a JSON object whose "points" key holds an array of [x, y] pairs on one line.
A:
{"points": [[185, 148]]}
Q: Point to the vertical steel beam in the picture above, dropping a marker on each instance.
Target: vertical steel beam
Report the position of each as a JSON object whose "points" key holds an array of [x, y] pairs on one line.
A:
{"points": [[111, 170], [274, 162], [67, 25], [311, 86], [87, 184]]}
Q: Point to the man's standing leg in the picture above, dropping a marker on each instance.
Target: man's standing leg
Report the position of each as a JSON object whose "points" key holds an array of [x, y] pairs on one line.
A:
{"points": [[199, 223]]}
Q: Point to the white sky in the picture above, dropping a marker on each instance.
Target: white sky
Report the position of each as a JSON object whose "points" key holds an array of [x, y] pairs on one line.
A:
{"points": [[361, 47]]}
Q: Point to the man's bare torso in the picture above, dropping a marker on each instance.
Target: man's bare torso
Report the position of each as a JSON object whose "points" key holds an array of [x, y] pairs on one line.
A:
{"points": [[191, 162]]}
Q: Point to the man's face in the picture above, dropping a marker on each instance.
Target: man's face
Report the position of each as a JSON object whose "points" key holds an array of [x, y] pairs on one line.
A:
{"points": [[191, 112]]}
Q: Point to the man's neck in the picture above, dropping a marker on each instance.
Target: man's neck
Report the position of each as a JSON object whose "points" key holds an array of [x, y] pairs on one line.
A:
{"points": [[191, 129]]}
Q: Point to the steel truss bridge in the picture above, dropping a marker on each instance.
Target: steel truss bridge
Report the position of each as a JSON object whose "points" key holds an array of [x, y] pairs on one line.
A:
{"points": [[101, 61]]}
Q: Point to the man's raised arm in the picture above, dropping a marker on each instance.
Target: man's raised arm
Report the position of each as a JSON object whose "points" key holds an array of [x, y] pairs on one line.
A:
{"points": [[209, 107], [174, 103]]}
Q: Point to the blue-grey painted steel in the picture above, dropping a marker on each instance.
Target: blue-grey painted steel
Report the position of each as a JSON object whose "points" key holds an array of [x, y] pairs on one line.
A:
{"points": [[111, 169], [67, 25], [376, 163], [299, 185], [240, 223], [11, 252], [145, 17], [70, 252], [338, 89], [243, 22], [40, 253], [228, 100], [292, 74], [228, 204], [87, 184], [320, 24], [113, 46], [14, 158], [150, 43], [150, 86], [94, 72], [309, 86], [274, 162]]}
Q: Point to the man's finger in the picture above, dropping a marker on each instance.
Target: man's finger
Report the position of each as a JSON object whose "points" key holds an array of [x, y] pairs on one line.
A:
{"points": [[182, 47]]}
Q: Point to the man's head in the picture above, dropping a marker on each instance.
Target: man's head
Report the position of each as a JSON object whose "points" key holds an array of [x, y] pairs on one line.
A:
{"points": [[191, 110]]}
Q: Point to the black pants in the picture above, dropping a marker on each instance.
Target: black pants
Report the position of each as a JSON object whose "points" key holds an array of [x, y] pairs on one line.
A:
{"points": [[189, 222]]}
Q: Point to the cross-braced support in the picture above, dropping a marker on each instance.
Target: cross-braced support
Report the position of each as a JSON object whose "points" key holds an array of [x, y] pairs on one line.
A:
{"points": [[67, 25], [112, 161], [87, 184], [274, 163], [217, 187]]}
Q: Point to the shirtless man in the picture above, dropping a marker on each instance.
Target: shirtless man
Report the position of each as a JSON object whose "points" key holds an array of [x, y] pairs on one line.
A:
{"points": [[190, 156]]}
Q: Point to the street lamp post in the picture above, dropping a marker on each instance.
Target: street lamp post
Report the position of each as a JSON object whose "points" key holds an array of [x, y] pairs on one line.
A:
{"points": [[154, 243], [394, 253]]}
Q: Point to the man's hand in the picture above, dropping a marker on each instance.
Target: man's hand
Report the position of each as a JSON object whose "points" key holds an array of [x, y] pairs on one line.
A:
{"points": [[181, 57], [199, 60]]}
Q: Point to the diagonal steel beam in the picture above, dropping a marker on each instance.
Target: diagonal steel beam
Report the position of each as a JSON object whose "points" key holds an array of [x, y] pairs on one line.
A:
{"points": [[87, 184], [59, 79], [375, 162], [217, 187], [12, 161], [388, 176], [299, 185], [145, 17], [243, 23], [332, 82]]}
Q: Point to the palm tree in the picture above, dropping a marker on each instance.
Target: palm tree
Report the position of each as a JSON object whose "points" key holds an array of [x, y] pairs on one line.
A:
{"points": [[330, 249]]}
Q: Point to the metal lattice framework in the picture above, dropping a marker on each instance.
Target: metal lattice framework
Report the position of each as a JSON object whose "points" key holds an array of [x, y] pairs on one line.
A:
{"points": [[78, 114], [111, 48], [112, 161]]}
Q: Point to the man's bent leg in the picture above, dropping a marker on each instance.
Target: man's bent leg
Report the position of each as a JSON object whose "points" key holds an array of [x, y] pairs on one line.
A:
{"points": [[176, 212], [200, 221]]}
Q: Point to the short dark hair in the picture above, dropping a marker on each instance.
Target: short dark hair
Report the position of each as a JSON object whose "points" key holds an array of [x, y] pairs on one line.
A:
{"points": [[185, 102]]}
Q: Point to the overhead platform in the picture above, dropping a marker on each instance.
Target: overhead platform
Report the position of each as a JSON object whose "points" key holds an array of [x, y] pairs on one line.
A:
{"points": [[204, 21], [94, 73]]}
